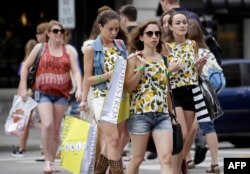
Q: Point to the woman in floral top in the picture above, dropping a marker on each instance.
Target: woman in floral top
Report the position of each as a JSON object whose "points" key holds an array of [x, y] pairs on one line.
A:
{"points": [[185, 67], [146, 81]]}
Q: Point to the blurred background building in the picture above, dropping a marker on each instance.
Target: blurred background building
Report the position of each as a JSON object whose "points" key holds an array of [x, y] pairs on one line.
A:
{"points": [[227, 20]]}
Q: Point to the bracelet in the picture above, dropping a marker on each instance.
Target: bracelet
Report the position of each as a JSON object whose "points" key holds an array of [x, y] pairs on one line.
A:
{"points": [[168, 73], [99, 78], [141, 68]]}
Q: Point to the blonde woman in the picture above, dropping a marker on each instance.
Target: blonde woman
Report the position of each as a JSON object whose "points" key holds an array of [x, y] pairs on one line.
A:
{"points": [[52, 87]]}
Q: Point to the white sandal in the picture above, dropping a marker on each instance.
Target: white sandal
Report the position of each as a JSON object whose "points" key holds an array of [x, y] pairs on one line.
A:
{"points": [[47, 168], [54, 168]]}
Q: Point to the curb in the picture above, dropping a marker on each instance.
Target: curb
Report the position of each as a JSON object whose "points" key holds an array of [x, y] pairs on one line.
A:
{"points": [[8, 148]]}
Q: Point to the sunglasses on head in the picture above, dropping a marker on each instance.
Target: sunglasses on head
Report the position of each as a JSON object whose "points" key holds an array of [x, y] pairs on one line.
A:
{"points": [[150, 33], [55, 31]]}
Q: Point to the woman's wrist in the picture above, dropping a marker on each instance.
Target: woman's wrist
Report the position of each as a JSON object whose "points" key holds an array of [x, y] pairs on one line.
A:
{"points": [[84, 100], [107, 75]]}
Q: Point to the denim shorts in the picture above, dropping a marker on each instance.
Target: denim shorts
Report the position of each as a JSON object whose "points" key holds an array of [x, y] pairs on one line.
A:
{"points": [[142, 124], [207, 127], [52, 99]]}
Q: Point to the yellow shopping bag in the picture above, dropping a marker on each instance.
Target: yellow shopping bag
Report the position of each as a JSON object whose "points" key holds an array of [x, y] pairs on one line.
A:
{"points": [[75, 134], [124, 108]]}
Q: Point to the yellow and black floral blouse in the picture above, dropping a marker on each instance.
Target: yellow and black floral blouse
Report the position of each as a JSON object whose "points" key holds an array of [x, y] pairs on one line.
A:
{"points": [[185, 53], [150, 94], [111, 56]]}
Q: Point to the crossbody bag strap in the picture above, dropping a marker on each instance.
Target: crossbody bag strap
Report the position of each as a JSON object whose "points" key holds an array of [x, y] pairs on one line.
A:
{"points": [[39, 54], [173, 116]]}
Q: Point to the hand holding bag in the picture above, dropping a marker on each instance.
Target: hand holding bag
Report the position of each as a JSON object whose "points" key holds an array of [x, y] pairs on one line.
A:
{"points": [[19, 115], [31, 78]]}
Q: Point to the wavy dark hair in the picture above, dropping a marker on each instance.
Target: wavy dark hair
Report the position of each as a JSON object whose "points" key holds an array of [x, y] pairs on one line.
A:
{"points": [[134, 41]]}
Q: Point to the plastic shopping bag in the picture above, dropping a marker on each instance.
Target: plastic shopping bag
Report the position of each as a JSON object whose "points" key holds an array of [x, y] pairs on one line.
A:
{"points": [[19, 115]]}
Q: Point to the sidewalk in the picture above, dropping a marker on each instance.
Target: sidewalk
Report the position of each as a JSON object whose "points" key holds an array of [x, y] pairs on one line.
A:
{"points": [[7, 141]]}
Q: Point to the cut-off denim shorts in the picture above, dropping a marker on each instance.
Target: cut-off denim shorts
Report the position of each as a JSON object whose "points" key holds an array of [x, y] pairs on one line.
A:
{"points": [[142, 124], [52, 99], [207, 127]]}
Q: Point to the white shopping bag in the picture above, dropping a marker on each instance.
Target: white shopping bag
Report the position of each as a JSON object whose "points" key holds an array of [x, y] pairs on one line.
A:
{"points": [[19, 115], [111, 106]]}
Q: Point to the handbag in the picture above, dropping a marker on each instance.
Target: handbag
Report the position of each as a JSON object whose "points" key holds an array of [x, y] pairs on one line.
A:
{"points": [[177, 131], [31, 78], [211, 99]]}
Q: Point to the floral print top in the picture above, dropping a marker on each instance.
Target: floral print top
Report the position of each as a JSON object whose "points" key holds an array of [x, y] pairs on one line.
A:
{"points": [[185, 53], [150, 94], [111, 55]]}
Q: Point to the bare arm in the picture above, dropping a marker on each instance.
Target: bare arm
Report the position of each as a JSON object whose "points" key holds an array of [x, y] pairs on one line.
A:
{"points": [[132, 77], [25, 69], [75, 70]]}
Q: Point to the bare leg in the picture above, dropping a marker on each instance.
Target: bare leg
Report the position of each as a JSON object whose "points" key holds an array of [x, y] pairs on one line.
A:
{"points": [[212, 142], [24, 137], [139, 143], [59, 111], [163, 142], [191, 137]]}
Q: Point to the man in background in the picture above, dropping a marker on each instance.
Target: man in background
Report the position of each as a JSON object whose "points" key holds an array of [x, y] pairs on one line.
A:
{"points": [[128, 14]]}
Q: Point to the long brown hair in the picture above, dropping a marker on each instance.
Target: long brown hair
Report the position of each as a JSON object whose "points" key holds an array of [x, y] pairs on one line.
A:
{"points": [[195, 33], [134, 41]]}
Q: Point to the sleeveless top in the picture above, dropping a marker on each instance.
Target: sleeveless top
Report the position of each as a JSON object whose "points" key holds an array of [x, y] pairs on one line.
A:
{"points": [[99, 57], [185, 53], [110, 57], [53, 74], [150, 94]]}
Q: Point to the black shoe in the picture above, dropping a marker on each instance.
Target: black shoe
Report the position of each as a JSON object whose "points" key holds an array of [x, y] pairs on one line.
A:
{"points": [[17, 153], [40, 159], [200, 154], [151, 156]]}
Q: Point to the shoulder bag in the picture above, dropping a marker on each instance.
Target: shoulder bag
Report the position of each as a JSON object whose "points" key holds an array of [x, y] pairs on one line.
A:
{"points": [[211, 99], [31, 78]]}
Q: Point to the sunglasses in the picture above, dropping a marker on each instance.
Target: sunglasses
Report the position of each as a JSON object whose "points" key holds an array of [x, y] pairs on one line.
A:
{"points": [[56, 31], [151, 33]]}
